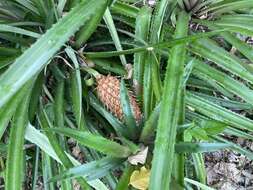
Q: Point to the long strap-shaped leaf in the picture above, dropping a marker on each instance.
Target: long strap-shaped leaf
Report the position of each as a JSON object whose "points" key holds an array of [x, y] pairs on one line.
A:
{"points": [[151, 47], [217, 112], [15, 158], [37, 56], [224, 80], [241, 46], [94, 141], [127, 110], [8, 110], [94, 169], [125, 9], [207, 48], [13, 29], [110, 25], [45, 123], [35, 136], [167, 124], [76, 89], [198, 184], [155, 34], [228, 5], [141, 31]]}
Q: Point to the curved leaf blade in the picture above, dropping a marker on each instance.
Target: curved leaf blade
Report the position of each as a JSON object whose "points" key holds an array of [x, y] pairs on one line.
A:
{"points": [[15, 157], [37, 56], [94, 141], [92, 170], [168, 121], [35, 136]]}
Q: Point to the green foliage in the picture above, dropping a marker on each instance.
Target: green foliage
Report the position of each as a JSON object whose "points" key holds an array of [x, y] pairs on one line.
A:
{"points": [[187, 62], [170, 111]]}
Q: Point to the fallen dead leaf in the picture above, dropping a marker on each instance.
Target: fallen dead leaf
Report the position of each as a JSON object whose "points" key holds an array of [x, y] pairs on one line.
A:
{"points": [[140, 157], [140, 179]]}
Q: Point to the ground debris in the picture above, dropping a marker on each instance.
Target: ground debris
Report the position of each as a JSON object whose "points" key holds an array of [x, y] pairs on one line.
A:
{"points": [[229, 170]]}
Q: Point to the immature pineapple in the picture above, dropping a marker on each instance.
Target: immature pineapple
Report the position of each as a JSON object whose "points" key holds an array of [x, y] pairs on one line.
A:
{"points": [[108, 90]]}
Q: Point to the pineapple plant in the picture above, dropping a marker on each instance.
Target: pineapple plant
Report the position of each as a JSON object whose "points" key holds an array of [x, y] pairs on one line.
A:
{"points": [[68, 124]]}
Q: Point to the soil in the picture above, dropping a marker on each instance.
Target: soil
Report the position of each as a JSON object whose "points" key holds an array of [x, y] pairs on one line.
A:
{"points": [[228, 170]]}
